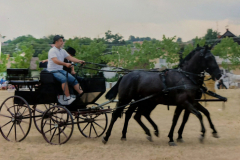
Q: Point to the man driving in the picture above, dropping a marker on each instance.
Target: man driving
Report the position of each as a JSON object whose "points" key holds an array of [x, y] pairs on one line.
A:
{"points": [[55, 65]]}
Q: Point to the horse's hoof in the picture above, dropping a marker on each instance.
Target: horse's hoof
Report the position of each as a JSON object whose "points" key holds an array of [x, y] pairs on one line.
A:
{"points": [[104, 141], [180, 140], [156, 133], [149, 138], [201, 138], [172, 144], [215, 135], [123, 139]]}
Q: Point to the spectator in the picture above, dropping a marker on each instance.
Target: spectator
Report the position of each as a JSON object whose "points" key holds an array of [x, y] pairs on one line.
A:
{"points": [[2, 80], [220, 83], [4, 86]]}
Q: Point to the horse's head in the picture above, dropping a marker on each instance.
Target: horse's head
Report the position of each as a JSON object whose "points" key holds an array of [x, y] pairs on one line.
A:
{"points": [[209, 63]]}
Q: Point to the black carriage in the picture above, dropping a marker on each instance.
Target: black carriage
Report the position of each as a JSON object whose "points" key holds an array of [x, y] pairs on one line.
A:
{"points": [[53, 120]]}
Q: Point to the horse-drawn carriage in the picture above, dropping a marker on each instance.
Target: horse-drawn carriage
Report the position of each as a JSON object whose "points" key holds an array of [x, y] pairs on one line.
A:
{"points": [[40, 104], [55, 121]]}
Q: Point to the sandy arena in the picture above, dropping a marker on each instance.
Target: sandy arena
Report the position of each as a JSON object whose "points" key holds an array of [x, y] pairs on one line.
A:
{"points": [[227, 123]]}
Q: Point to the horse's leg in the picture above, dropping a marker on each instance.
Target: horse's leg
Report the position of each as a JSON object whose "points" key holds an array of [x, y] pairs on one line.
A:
{"points": [[117, 113], [177, 113], [180, 131], [128, 115], [193, 110], [137, 117], [147, 116], [207, 114]]}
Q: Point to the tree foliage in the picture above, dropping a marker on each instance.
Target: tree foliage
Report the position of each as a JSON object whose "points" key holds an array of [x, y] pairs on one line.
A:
{"points": [[189, 47], [89, 53], [3, 63], [23, 57], [229, 51], [210, 35], [134, 39]]}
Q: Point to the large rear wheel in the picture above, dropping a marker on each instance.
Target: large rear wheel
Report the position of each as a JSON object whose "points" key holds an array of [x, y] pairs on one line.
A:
{"points": [[15, 119]]}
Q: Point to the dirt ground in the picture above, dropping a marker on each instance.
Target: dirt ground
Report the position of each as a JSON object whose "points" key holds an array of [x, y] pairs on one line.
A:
{"points": [[227, 123]]}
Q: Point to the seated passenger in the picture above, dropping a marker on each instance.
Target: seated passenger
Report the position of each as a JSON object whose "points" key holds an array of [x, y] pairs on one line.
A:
{"points": [[71, 51], [55, 65]]}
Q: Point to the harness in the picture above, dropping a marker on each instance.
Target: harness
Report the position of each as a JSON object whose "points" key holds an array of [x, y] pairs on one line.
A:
{"points": [[185, 86]]}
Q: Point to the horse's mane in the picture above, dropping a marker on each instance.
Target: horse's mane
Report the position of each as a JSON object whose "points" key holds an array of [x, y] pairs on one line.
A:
{"points": [[189, 56]]}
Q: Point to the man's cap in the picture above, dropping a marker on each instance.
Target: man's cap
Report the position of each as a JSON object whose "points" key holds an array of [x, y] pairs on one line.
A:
{"points": [[71, 51], [56, 38]]}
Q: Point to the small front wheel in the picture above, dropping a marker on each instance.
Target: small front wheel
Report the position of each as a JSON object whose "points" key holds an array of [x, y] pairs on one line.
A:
{"points": [[92, 125], [57, 125]]}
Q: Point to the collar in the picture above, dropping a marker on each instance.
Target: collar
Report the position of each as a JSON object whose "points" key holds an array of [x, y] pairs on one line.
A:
{"points": [[57, 48]]}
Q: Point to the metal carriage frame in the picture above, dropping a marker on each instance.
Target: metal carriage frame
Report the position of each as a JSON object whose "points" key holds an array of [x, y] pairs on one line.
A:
{"points": [[47, 114]]}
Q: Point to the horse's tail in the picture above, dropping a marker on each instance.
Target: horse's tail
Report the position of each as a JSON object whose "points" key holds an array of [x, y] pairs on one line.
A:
{"points": [[112, 93]]}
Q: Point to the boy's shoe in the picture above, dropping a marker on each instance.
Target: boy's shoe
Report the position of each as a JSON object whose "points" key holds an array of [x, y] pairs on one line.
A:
{"points": [[71, 100]]}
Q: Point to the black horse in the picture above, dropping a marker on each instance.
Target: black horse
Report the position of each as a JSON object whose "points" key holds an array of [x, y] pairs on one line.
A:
{"points": [[184, 85], [146, 111]]}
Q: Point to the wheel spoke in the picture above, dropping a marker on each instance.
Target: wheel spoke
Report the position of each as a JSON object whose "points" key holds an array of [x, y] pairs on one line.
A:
{"points": [[49, 124], [85, 126], [5, 116], [21, 129], [26, 115], [90, 130], [53, 134], [44, 124], [8, 109], [15, 129], [59, 137], [57, 117], [22, 121], [63, 132], [94, 129], [24, 111], [10, 130], [49, 130], [39, 111], [98, 125], [5, 124], [50, 127], [39, 119], [17, 109], [100, 119]]}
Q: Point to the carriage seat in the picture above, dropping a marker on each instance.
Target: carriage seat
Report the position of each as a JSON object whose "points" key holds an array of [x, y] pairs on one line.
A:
{"points": [[20, 76]]}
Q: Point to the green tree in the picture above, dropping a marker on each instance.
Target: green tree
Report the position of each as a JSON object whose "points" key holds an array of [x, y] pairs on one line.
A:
{"points": [[91, 53], [229, 51], [42, 56], [23, 57], [114, 38], [121, 56], [189, 47], [135, 58], [179, 40], [170, 51], [210, 35], [3, 63]]}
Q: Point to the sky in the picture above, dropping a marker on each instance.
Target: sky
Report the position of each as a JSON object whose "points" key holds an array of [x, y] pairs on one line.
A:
{"points": [[143, 18]]}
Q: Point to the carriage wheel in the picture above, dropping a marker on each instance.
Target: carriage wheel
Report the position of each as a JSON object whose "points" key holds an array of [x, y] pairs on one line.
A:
{"points": [[38, 110], [92, 126], [57, 125], [15, 119]]}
